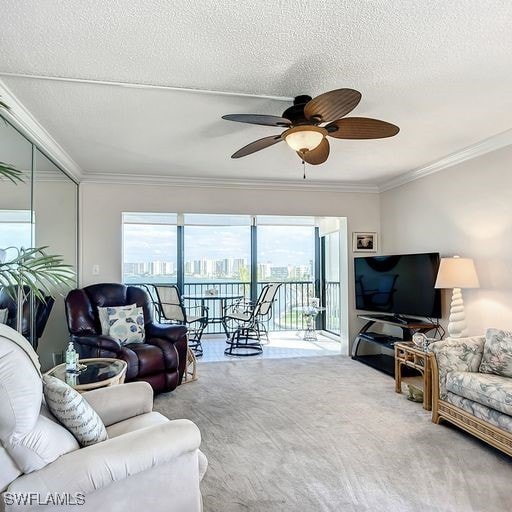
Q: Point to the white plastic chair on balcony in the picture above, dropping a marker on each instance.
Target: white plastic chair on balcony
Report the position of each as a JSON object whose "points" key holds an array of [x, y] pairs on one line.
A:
{"points": [[170, 308], [249, 323]]}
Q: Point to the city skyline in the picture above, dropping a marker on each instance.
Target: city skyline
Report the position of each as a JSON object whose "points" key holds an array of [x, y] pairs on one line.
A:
{"points": [[225, 268]]}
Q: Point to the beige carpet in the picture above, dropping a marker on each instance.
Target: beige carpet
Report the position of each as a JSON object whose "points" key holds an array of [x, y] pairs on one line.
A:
{"points": [[329, 434]]}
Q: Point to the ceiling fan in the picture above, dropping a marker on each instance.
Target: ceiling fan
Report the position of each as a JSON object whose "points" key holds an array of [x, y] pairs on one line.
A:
{"points": [[310, 120]]}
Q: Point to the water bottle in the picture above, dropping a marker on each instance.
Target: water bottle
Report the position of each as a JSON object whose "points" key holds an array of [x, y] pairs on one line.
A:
{"points": [[71, 358]]}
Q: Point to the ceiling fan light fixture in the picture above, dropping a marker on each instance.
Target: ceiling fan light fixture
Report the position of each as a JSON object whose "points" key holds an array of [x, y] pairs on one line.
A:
{"points": [[304, 138]]}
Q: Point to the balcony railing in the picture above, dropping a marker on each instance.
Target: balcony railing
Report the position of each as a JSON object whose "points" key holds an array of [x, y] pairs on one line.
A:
{"points": [[291, 296], [287, 312]]}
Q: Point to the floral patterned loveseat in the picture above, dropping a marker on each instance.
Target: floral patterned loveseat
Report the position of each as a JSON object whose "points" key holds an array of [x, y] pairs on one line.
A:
{"points": [[472, 385]]}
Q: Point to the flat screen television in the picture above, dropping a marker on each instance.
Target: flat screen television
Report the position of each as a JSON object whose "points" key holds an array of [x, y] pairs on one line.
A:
{"points": [[401, 284]]}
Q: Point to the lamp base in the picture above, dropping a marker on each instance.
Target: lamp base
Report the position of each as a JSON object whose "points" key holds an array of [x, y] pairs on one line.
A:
{"points": [[457, 327]]}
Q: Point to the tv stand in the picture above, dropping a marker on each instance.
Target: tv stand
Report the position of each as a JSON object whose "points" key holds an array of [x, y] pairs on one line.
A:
{"points": [[385, 362]]}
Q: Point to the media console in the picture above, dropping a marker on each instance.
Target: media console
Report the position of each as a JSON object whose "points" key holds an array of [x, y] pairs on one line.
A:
{"points": [[382, 361]]}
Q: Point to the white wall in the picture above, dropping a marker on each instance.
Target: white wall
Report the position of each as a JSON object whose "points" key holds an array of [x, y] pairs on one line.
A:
{"points": [[465, 210], [101, 206]]}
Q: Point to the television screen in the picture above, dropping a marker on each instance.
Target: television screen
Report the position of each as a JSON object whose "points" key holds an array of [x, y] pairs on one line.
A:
{"points": [[400, 284]]}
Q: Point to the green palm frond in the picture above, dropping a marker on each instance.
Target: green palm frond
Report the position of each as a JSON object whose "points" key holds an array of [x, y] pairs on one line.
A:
{"points": [[11, 173], [7, 170], [42, 273]]}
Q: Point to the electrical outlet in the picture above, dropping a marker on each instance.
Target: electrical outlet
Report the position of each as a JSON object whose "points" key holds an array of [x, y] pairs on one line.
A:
{"points": [[95, 270]]}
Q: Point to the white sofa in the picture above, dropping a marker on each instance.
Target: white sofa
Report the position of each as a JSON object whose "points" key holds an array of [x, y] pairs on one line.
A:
{"points": [[148, 462]]}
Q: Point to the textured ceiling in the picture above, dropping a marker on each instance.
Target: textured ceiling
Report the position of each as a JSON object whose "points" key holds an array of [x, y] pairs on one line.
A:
{"points": [[440, 70]]}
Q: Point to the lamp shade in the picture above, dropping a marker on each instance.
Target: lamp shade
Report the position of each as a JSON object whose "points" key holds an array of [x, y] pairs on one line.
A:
{"points": [[304, 138], [457, 273]]}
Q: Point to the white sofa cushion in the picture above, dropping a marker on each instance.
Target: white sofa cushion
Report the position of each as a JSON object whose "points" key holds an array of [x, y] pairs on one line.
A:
{"points": [[497, 357], [30, 439], [73, 411], [492, 416], [492, 391], [136, 423], [9, 471], [45, 443]]}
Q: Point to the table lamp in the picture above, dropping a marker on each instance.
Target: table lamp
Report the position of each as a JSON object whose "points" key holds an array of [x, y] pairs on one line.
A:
{"points": [[457, 273]]}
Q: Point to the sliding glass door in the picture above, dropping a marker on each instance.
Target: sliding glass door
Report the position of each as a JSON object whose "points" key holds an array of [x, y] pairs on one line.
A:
{"points": [[286, 254], [227, 255], [331, 284]]}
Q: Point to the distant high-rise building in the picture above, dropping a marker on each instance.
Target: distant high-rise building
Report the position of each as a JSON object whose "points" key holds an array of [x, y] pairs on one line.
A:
{"points": [[279, 272]]}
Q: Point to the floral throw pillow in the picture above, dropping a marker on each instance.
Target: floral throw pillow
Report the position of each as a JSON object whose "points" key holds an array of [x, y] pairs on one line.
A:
{"points": [[497, 356], [126, 324]]}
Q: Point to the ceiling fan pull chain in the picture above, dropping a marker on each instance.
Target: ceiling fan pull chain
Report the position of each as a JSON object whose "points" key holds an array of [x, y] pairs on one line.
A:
{"points": [[304, 166]]}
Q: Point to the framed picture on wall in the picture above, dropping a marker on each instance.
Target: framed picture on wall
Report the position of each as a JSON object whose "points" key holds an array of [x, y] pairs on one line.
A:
{"points": [[364, 242]]}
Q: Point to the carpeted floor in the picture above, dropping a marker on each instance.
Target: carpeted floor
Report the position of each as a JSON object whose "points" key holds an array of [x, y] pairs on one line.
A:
{"points": [[329, 434]]}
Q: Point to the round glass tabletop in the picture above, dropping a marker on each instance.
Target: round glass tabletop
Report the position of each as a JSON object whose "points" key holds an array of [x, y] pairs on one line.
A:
{"points": [[219, 296], [96, 372]]}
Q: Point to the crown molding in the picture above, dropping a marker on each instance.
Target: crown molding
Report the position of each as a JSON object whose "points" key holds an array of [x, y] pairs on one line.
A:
{"points": [[480, 148], [178, 181], [26, 123], [20, 117]]}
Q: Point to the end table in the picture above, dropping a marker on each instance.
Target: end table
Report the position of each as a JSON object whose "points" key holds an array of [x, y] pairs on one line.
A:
{"points": [[408, 354], [100, 372]]}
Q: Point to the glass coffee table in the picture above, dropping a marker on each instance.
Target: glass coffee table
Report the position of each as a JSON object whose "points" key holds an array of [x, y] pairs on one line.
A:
{"points": [[98, 373]]}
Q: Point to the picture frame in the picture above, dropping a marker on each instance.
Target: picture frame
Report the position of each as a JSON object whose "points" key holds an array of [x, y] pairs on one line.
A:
{"points": [[365, 241]]}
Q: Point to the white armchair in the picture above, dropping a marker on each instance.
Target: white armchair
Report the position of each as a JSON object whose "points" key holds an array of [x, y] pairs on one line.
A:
{"points": [[148, 462]]}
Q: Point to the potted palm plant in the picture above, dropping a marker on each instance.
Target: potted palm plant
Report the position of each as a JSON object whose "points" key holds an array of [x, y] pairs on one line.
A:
{"points": [[29, 271]]}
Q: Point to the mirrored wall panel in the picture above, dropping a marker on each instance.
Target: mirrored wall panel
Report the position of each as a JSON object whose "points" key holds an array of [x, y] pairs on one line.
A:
{"points": [[39, 211]]}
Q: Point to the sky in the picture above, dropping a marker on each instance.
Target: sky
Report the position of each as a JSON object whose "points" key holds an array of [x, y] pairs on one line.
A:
{"points": [[279, 245], [16, 234]]}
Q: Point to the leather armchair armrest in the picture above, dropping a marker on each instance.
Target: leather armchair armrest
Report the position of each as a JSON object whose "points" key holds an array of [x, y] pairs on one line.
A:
{"points": [[95, 467], [101, 342], [166, 331], [118, 403]]}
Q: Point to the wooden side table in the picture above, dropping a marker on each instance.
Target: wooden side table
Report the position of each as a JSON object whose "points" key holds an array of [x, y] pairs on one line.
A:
{"points": [[190, 374], [408, 354]]}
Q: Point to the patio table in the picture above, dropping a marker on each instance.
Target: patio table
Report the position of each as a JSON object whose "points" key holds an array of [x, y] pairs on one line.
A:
{"points": [[223, 299]]}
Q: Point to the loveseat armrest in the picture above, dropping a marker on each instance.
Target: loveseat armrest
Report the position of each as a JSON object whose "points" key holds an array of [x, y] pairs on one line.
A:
{"points": [[100, 342], [117, 403], [170, 332], [456, 354], [89, 469]]}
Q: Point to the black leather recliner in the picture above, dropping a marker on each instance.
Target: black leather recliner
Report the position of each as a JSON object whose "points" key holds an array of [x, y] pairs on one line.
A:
{"points": [[160, 360], [42, 310]]}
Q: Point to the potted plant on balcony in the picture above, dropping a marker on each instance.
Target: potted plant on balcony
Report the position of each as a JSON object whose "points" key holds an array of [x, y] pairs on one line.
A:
{"points": [[29, 271]]}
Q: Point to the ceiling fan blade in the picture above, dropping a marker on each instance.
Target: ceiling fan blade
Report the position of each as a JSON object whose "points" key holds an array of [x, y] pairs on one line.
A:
{"points": [[257, 145], [258, 119], [318, 155], [361, 128], [332, 105]]}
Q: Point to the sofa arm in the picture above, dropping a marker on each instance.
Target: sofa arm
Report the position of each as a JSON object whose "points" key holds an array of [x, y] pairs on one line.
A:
{"points": [[170, 332], [88, 469], [456, 354], [99, 342], [117, 403]]}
